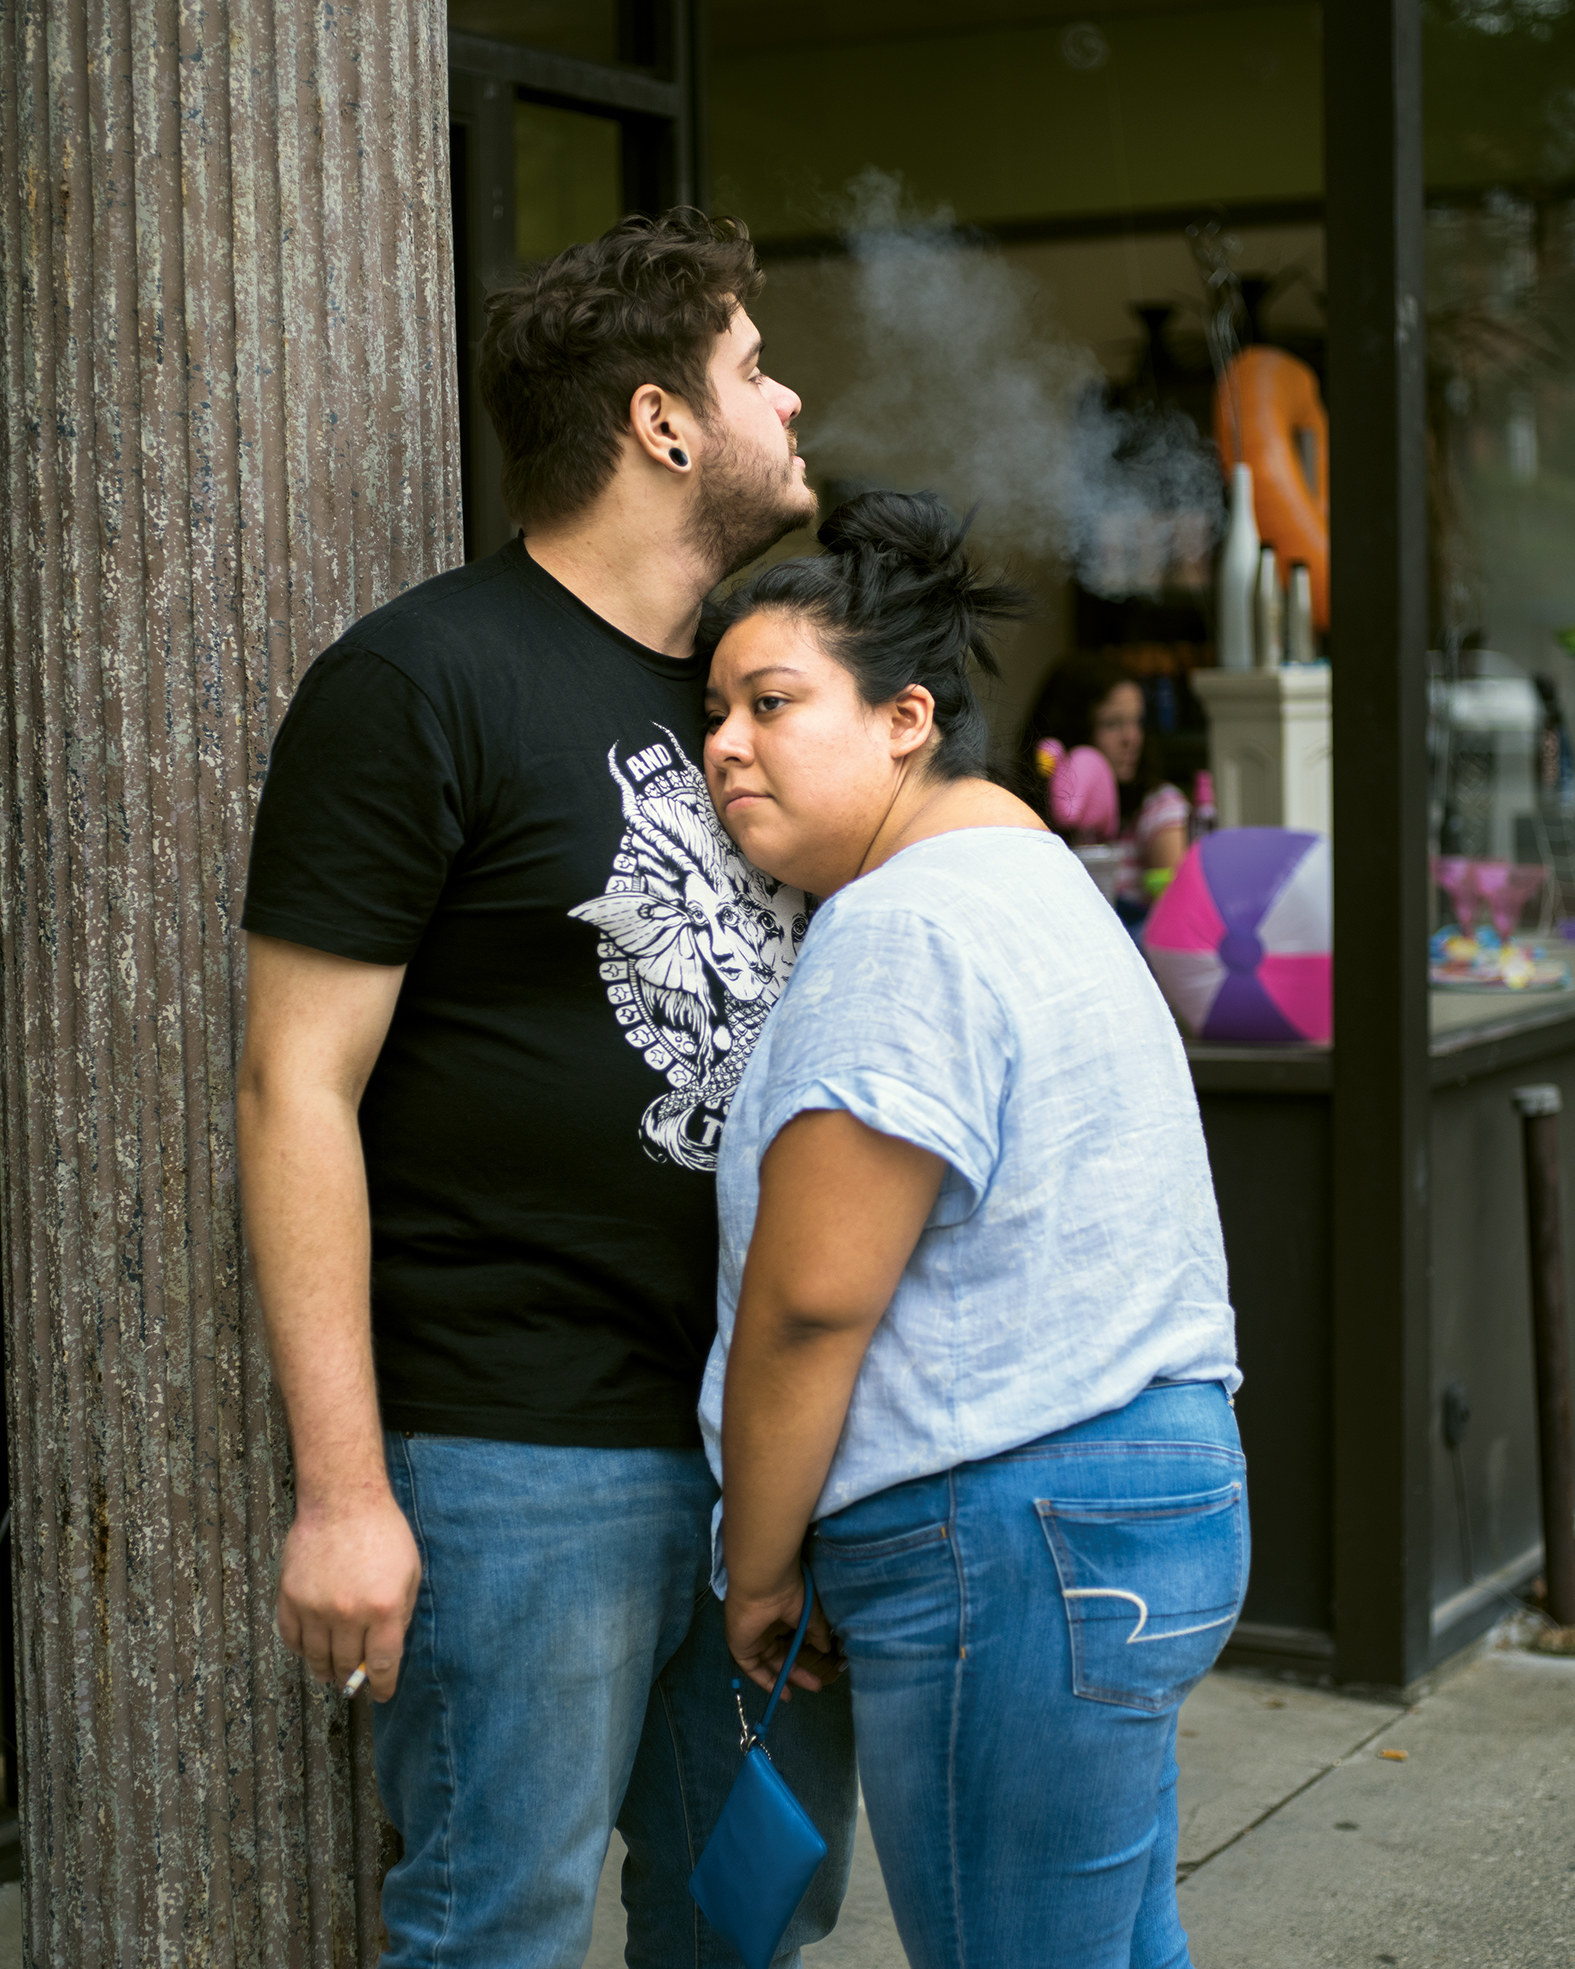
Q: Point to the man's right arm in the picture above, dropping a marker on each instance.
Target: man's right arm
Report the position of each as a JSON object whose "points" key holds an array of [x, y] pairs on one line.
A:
{"points": [[315, 1024]]}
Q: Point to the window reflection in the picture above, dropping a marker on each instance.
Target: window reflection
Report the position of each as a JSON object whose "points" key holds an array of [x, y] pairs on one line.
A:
{"points": [[1501, 443], [568, 178]]}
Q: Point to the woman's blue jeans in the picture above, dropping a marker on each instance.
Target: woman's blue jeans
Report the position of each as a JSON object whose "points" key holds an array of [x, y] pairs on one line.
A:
{"points": [[1021, 1633]]}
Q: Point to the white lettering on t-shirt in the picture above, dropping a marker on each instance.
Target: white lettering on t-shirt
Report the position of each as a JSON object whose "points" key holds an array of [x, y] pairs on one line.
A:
{"points": [[643, 764]]}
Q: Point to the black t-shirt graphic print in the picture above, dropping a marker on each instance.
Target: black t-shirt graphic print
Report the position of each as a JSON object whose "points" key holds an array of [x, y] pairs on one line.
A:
{"points": [[490, 785], [696, 948]]}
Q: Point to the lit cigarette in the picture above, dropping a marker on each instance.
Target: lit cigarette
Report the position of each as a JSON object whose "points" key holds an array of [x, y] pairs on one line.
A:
{"points": [[357, 1680]]}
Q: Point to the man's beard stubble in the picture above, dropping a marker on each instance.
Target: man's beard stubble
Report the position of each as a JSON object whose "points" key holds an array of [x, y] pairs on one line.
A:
{"points": [[744, 505]]}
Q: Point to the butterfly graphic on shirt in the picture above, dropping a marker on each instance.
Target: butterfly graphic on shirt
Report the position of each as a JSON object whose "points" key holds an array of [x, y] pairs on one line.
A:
{"points": [[696, 946]]}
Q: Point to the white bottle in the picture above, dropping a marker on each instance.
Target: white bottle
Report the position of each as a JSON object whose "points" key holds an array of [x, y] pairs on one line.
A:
{"points": [[1269, 612], [1238, 577], [1300, 647]]}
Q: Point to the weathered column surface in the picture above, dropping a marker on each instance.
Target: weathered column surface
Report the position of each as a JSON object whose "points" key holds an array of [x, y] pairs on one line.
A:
{"points": [[229, 427]]}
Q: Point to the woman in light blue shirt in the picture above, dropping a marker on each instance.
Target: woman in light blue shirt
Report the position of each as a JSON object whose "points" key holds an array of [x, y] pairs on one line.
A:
{"points": [[974, 1333]]}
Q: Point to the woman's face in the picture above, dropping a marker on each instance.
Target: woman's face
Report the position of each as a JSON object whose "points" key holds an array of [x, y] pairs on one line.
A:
{"points": [[801, 770], [1118, 730]]}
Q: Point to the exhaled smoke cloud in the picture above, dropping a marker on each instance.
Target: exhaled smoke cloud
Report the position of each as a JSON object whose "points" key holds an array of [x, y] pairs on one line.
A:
{"points": [[963, 385]]}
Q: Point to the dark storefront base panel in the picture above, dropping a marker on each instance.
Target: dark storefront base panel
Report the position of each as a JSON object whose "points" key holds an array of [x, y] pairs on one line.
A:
{"points": [[1485, 1509], [1270, 1157], [1268, 1126]]}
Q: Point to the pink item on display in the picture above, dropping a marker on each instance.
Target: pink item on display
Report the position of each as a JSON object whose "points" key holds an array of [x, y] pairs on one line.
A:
{"points": [[1204, 817], [1241, 941], [1502, 888], [1083, 797], [1467, 955]]}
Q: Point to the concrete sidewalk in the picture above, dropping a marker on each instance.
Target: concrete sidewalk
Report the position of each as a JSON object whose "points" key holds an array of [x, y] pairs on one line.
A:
{"points": [[1464, 1854]]}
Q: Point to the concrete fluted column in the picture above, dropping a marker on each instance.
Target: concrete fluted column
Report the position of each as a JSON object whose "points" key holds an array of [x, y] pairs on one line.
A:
{"points": [[229, 427]]}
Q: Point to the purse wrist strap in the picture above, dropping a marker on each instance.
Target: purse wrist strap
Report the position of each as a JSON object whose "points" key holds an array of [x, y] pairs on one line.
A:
{"points": [[792, 1655]]}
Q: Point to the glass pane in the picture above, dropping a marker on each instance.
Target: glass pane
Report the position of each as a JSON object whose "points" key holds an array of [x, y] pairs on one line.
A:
{"points": [[1062, 383], [1500, 148], [568, 178], [586, 28]]}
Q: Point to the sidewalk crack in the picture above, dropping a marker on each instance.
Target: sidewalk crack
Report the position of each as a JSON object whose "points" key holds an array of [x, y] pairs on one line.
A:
{"points": [[1187, 1868]]}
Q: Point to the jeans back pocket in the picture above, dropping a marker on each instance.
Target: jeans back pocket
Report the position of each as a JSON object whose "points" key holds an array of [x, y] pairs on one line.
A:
{"points": [[1151, 1586]]}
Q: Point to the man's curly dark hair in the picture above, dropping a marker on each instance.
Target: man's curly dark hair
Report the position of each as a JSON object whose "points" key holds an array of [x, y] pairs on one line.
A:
{"points": [[569, 343]]}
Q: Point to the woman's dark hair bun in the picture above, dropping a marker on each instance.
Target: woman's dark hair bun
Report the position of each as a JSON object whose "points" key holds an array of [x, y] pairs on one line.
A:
{"points": [[898, 602], [887, 536], [915, 526]]}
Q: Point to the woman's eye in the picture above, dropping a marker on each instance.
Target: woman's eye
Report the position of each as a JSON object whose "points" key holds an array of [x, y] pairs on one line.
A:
{"points": [[769, 703]]}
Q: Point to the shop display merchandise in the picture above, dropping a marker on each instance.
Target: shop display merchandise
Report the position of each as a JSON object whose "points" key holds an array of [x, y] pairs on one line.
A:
{"points": [[1238, 576], [1269, 418], [1241, 940], [1482, 960], [1479, 950], [1491, 891]]}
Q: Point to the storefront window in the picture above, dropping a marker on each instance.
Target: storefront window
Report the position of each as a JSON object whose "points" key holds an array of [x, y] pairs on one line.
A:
{"points": [[587, 29], [1010, 259], [1500, 242], [568, 178]]}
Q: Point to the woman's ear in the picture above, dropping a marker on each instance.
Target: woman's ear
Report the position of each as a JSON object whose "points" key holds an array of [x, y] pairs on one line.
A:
{"points": [[912, 721]]}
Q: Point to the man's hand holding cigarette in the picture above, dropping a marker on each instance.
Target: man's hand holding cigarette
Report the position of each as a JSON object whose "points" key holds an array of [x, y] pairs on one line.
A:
{"points": [[347, 1586]]}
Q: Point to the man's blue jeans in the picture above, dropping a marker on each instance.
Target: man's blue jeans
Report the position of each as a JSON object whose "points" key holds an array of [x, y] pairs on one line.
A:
{"points": [[565, 1671], [1022, 1632]]}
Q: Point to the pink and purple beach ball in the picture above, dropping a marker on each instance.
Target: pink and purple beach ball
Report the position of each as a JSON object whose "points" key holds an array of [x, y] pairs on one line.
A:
{"points": [[1240, 942]]}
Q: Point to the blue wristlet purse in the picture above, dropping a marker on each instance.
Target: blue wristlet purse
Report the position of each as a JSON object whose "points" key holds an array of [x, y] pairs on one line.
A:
{"points": [[764, 1850]]}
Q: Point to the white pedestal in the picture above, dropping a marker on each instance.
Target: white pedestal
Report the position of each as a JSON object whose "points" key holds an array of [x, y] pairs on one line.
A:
{"points": [[1269, 745]]}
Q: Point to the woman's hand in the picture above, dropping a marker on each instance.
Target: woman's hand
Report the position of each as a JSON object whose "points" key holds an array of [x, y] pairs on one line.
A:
{"points": [[760, 1631]]}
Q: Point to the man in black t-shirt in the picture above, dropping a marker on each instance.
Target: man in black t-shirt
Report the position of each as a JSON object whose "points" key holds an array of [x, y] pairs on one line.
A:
{"points": [[505, 971]]}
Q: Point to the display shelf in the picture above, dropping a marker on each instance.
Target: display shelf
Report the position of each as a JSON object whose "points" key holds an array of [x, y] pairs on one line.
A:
{"points": [[1460, 1017], [1259, 1069], [1516, 1037]]}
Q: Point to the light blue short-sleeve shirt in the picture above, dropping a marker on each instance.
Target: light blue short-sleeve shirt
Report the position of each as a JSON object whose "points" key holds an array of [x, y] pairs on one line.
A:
{"points": [[977, 996]]}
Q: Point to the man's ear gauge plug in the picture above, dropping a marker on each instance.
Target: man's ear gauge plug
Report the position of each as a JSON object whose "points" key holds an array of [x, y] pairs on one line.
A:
{"points": [[678, 455]]}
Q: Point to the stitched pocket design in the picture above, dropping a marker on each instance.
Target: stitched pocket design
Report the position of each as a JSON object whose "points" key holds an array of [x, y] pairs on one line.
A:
{"points": [[1151, 1587]]}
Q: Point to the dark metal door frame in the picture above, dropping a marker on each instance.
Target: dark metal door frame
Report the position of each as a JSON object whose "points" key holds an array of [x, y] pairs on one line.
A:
{"points": [[657, 102], [1380, 1175]]}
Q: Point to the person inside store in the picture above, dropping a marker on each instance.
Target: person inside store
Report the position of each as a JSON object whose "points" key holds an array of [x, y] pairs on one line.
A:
{"points": [[975, 1352], [1087, 744]]}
